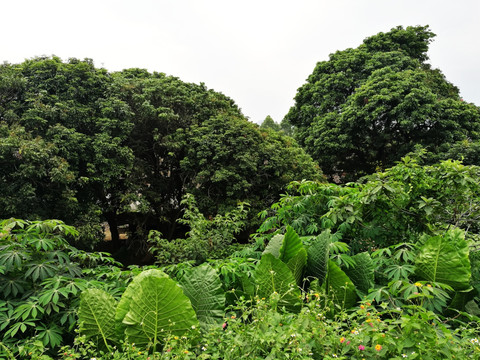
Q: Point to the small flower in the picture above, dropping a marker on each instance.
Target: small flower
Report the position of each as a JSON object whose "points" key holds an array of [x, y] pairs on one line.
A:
{"points": [[334, 355], [193, 327], [185, 352], [361, 347], [418, 284], [474, 341], [378, 347], [348, 342], [362, 307], [342, 340], [404, 355], [204, 348]]}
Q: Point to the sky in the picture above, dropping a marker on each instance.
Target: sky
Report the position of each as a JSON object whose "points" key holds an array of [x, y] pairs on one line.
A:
{"points": [[257, 52]]}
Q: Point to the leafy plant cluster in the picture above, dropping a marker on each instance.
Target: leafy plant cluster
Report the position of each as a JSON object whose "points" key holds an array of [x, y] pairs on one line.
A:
{"points": [[41, 279]]}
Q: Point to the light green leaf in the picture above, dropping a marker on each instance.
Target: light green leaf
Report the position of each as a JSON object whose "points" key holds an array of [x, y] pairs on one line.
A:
{"points": [[273, 276], [445, 259], [291, 245], [124, 304], [297, 265], [96, 315], [274, 245], [158, 308], [339, 287]]}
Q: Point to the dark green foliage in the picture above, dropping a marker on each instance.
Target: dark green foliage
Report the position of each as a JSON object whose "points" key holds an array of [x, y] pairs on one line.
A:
{"points": [[86, 146], [365, 108]]}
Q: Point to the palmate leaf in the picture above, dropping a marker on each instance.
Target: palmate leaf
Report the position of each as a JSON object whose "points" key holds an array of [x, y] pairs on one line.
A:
{"points": [[339, 287], [203, 287], [445, 259], [158, 308], [96, 315], [273, 275]]}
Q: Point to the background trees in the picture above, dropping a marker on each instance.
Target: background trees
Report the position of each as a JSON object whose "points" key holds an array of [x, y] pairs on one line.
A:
{"points": [[366, 107], [87, 146]]}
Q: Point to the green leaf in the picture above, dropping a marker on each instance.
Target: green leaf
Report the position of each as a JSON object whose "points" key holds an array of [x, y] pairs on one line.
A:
{"points": [[158, 308], [274, 245], [96, 315], [317, 260], [297, 265], [124, 304], [445, 259], [291, 245], [362, 273], [203, 287], [273, 276], [339, 287]]}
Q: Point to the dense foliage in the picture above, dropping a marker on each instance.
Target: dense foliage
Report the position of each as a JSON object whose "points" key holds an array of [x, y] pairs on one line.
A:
{"points": [[86, 146], [387, 267], [365, 108]]}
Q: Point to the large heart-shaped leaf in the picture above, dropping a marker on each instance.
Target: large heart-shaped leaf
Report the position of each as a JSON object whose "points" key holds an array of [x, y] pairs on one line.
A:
{"points": [[203, 287], [363, 273], [158, 308], [274, 245], [96, 315], [297, 265], [124, 304], [317, 259], [445, 259], [339, 287], [291, 245], [273, 276]]}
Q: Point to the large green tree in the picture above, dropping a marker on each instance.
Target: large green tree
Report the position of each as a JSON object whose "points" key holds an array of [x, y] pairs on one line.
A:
{"points": [[366, 107], [87, 146], [63, 150]]}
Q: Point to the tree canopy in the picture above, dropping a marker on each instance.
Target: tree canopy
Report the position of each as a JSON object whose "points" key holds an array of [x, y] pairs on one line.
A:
{"points": [[87, 146], [366, 107]]}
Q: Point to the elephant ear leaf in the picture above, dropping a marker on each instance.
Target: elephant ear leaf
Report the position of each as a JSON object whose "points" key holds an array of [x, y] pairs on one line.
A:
{"points": [[96, 315], [363, 273], [203, 287], [317, 259], [291, 245], [445, 259], [273, 276], [274, 245], [158, 308], [339, 287], [297, 265], [124, 304]]}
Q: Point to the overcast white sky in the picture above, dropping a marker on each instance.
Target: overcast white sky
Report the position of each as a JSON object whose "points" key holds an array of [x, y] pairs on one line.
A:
{"points": [[258, 52]]}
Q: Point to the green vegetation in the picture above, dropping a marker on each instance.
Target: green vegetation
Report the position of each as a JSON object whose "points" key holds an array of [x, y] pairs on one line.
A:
{"points": [[365, 108], [385, 267]]}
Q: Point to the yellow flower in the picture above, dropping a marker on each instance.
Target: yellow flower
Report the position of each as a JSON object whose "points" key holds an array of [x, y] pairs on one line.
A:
{"points": [[378, 347], [418, 284]]}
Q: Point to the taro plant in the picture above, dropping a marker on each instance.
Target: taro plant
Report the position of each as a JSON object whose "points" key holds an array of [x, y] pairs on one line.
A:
{"points": [[152, 308]]}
